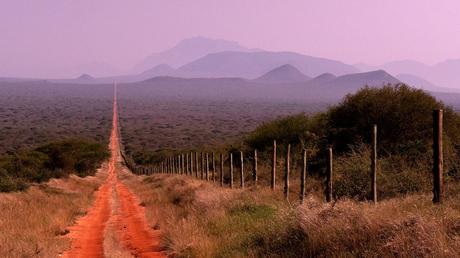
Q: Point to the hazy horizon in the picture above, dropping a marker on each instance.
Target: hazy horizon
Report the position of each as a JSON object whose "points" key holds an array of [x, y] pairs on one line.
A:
{"points": [[49, 38]]}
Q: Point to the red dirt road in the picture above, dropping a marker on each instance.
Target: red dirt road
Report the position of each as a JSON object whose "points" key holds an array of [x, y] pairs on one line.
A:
{"points": [[133, 232]]}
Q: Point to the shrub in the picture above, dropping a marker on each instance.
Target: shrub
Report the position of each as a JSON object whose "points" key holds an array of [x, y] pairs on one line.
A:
{"points": [[9, 183], [298, 130], [403, 117], [52, 160], [396, 175], [79, 156]]}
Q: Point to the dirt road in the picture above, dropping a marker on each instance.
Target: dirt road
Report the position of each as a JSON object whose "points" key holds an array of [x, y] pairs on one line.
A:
{"points": [[127, 217]]}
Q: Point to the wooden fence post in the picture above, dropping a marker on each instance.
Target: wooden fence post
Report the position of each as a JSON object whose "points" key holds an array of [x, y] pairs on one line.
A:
{"points": [[178, 165], [329, 176], [274, 166], [213, 168], [231, 170], [186, 164], [221, 169], [287, 172], [241, 170], [303, 176], [438, 159], [207, 166], [202, 165], [183, 164], [374, 164], [191, 163], [254, 171], [196, 164]]}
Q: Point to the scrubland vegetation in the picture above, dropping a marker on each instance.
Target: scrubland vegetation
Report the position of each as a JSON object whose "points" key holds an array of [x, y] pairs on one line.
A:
{"points": [[152, 128], [36, 113], [34, 222], [201, 219], [51, 131], [54, 160]]}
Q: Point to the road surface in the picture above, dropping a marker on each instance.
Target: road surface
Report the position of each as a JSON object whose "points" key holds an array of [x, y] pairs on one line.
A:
{"points": [[127, 217]]}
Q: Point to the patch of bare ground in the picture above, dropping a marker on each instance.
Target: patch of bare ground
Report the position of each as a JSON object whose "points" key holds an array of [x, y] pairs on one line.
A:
{"points": [[34, 223], [200, 219]]}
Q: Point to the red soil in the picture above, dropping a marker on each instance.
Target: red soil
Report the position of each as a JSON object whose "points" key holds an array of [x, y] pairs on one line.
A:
{"points": [[133, 230]]}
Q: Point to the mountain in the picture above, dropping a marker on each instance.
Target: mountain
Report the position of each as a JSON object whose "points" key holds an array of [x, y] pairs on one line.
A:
{"points": [[97, 69], [85, 77], [423, 84], [373, 78], [443, 74], [159, 70], [187, 51], [446, 74], [323, 89], [252, 64], [415, 81], [284, 73], [336, 88], [323, 78]]}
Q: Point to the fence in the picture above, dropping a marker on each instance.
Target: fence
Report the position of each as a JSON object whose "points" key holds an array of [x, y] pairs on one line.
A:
{"points": [[197, 165]]}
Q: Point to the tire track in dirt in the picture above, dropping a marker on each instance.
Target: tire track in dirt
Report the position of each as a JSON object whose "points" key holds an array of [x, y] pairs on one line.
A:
{"points": [[132, 229]]}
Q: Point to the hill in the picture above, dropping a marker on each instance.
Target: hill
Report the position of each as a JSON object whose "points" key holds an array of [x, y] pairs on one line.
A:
{"points": [[187, 51], [253, 64], [284, 73], [443, 74]]}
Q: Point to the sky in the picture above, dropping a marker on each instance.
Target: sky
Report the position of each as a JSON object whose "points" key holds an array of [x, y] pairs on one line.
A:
{"points": [[43, 38]]}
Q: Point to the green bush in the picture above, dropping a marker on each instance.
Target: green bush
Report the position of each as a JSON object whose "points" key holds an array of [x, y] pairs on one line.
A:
{"points": [[396, 175], [79, 156], [403, 116], [52, 160], [9, 183], [301, 131]]}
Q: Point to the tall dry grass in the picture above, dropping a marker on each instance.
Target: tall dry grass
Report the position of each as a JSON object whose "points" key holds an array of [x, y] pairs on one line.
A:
{"points": [[33, 223], [199, 219]]}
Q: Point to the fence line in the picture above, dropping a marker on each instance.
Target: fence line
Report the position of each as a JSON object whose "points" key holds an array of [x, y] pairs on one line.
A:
{"points": [[199, 167]]}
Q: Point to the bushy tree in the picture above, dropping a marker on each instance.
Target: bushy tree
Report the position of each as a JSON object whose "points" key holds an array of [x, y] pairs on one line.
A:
{"points": [[78, 156], [298, 130], [403, 116], [52, 160]]}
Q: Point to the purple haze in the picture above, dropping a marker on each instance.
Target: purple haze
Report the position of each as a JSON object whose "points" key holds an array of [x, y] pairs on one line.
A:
{"points": [[54, 37]]}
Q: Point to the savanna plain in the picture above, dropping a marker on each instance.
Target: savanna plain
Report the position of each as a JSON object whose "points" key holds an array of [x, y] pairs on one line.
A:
{"points": [[55, 158]]}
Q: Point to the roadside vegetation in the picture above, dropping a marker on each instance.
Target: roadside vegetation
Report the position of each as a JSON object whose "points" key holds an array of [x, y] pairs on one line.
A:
{"points": [[404, 119], [34, 222], [54, 160], [202, 219]]}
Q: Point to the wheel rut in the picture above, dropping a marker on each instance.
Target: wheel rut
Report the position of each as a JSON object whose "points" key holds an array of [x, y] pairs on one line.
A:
{"points": [[131, 228]]}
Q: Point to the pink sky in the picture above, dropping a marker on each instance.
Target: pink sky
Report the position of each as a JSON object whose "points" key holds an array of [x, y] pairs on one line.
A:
{"points": [[43, 38]]}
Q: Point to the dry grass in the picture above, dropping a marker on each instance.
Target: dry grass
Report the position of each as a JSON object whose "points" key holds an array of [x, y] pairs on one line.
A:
{"points": [[403, 227], [199, 219], [33, 223]]}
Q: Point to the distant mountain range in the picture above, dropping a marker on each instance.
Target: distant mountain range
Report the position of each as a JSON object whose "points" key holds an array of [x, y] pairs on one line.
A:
{"points": [[443, 75], [281, 83], [282, 74], [187, 51], [251, 65], [201, 57]]}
